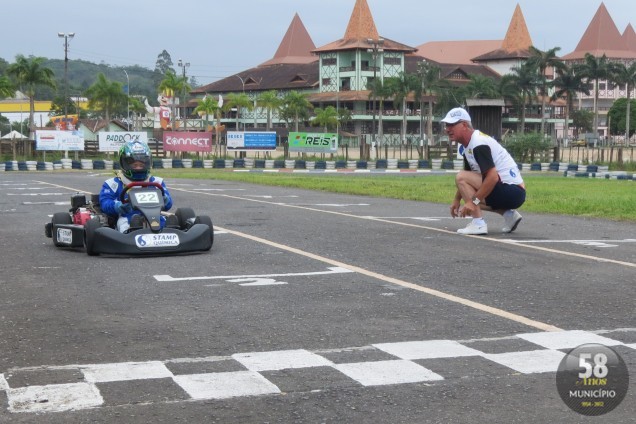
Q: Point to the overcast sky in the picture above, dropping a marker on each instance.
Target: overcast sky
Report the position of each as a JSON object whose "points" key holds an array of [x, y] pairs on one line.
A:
{"points": [[222, 37]]}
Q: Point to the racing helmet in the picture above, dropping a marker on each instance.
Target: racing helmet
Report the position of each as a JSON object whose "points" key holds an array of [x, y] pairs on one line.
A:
{"points": [[131, 152]]}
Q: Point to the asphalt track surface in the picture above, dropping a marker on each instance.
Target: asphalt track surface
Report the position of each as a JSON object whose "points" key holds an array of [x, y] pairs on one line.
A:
{"points": [[311, 307]]}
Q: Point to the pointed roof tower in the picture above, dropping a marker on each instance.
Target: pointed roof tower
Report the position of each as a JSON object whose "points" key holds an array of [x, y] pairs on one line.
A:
{"points": [[296, 46], [601, 38], [630, 38], [360, 29], [517, 43]]}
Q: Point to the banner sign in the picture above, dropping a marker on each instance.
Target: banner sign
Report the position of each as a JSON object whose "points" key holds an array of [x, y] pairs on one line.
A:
{"points": [[186, 141], [59, 140], [65, 122], [112, 141], [251, 141], [313, 142]]}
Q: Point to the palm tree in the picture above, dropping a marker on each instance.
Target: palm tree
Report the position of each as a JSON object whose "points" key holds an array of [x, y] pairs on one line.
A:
{"points": [[107, 96], [6, 88], [239, 101], [327, 118], [207, 106], [595, 68], [543, 60], [400, 87], [171, 84], [625, 75], [296, 105], [271, 102], [137, 108], [30, 73], [429, 76], [480, 87], [379, 91], [567, 84], [524, 77]]}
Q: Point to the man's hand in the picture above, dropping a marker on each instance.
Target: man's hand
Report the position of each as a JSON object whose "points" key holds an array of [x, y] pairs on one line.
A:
{"points": [[455, 209], [122, 208], [468, 210]]}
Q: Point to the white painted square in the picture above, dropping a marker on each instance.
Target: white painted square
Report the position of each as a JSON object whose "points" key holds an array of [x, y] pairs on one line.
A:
{"points": [[3, 383], [529, 362], [381, 373], [566, 339], [428, 349], [280, 360], [124, 371], [54, 398], [225, 385]]}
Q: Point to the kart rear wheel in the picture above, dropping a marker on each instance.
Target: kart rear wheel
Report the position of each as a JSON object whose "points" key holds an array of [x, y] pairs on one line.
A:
{"points": [[89, 235], [59, 218], [206, 220], [183, 214]]}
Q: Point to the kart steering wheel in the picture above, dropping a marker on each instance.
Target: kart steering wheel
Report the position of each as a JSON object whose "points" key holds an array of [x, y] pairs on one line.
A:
{"points": [[124, 199]]}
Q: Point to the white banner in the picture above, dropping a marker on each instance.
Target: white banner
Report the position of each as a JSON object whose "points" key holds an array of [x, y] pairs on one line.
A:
{"points": [[59, 140], [112, 141]]}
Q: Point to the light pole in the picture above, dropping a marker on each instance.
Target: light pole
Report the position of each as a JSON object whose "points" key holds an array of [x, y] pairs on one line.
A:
{"points": [[183, 65], [237, 108], [376, 48], [66, 37], [127, 100]]}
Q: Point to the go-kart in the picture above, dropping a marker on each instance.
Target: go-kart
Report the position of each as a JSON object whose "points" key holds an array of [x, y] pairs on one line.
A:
{"points": [[85, 225]]}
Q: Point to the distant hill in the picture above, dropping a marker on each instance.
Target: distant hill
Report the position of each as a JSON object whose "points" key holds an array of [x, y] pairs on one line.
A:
{"points": [[82, 74]]}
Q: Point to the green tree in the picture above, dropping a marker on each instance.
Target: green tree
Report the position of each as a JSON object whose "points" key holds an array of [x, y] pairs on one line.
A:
{"points": [[400, 87], [542, 60], [619, 118], [206, 107], [595, 69], [567, 84], [481, 87], [295, 106], [379, 91], [524, 77], [429, 77], [239, 101], [171, 84], [106, 96], [625, 75], [6, 88], [271, 102], [164, 63], [326, 118], [583, 120], [30, 73]]}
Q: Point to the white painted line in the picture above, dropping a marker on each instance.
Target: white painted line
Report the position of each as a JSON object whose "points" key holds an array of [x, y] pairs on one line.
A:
{"points": [[280, 360], [28, 188], [380, 373], [36, 194], [265, 196], [216, 189], [257, 282], [45, 203], [332, 270], [428, 349], [54, 398], [450, 297], [101, 373], [570, 241], [3, 383], [342, 205], [633, 345], [225, 385], [529, 362], [567, 339]]}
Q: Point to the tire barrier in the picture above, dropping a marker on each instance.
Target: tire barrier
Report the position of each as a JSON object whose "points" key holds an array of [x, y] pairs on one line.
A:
{"points": [[300, 164], [361, 164], [197, 164], [219, 163]]}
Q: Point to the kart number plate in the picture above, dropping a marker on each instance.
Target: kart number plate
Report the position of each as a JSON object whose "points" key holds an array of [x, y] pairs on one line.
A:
{"points": [[157, 240], [147, 197], [64, 235]]}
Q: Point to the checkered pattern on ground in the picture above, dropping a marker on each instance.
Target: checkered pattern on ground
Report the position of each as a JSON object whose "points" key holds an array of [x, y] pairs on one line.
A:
{"points": [[75, 387]]}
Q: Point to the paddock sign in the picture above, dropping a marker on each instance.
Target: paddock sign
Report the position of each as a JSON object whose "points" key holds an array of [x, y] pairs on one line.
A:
{"points": [[112, 141]]}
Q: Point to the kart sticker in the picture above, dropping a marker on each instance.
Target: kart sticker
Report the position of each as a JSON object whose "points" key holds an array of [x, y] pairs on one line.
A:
{"points": [[157, 240], [64, 235], [145, 197]]}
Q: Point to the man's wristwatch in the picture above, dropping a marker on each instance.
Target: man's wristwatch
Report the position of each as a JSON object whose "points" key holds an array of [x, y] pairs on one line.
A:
{"points": [[476, 201]]}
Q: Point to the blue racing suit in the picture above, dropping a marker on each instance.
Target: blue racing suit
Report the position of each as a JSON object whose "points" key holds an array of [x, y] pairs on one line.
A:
{"points": [[112, 188]]}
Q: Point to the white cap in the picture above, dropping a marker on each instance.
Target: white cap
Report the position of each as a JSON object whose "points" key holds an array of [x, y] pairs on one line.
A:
{"points": [[455, 115]]}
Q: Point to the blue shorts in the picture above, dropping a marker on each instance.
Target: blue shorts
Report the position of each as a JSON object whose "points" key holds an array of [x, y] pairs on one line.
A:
{"points": [[506, 196]]}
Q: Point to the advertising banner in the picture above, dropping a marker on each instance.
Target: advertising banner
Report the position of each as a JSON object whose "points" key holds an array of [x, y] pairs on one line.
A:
{"points": [[251, 141], [67, 123], [112, 141], [187, 141], [313, 142], [59, 140]]}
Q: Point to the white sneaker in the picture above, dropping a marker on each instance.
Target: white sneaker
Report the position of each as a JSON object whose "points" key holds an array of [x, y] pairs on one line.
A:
{"points": [[474, 229], [511, 221]]}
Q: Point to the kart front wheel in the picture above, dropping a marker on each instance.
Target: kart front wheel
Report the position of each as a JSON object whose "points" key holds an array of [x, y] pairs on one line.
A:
{"points": [[183, 215], [89, 235], [59, 218], [206, 220]]}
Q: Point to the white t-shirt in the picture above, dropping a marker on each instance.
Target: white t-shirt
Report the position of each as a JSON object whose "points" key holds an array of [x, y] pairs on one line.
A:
{"points": [[483, 152]]}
